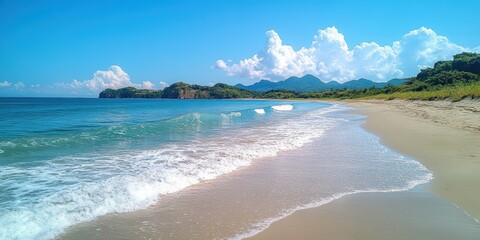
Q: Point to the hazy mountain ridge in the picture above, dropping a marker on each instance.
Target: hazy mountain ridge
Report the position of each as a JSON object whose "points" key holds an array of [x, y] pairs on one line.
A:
{"points": [[310, 83]]}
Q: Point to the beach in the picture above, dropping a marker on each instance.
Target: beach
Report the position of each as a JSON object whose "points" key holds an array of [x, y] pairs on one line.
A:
{"points": [[444, 137], [239, 120], [272, 190], [220, 170]]}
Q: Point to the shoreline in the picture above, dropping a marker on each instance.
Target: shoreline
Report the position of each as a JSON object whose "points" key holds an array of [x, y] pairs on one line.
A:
{"points": [[269, 190], [425, 131], [413, 214], [243, 187]]}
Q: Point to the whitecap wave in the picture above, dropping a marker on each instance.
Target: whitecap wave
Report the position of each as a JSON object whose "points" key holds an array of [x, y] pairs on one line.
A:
{"points": [[260, 111], [286, 107]]}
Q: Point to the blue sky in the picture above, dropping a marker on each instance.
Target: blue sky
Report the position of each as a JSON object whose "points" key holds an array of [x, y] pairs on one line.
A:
{"points": [[75, 48]]}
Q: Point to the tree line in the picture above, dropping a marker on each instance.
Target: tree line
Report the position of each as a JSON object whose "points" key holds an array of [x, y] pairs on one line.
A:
{"points": [[456, 79]]}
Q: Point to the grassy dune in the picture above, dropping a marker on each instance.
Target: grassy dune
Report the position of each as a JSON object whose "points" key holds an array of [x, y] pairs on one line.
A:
{"points": [[454, 93]]}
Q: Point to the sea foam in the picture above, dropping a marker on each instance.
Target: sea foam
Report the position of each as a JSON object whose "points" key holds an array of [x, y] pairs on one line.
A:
{"points": [[385, 171], [286, 107], [260, 111], [74, 189]]}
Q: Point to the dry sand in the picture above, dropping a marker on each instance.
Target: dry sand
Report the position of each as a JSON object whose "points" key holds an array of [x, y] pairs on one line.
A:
{"points": [[442, 135]]}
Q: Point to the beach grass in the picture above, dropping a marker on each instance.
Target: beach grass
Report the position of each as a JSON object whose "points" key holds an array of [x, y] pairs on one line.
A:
{"points": [[453, 93]]}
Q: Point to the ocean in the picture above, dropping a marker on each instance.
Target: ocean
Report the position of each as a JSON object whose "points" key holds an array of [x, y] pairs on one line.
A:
{"points": [[68, 161]]}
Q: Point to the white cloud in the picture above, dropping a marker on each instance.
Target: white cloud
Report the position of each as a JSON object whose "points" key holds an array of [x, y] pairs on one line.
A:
{"points": [[477, 49], [5, 84], [163, 85], [114, 78], [220, 64], [373, 61], [245, 68], [422, 48], [330, 58], [19, 85], [146, 85]]}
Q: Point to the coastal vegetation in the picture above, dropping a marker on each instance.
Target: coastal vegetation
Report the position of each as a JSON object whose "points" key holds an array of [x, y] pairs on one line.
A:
{"points": [[130, 92], [455, 80]]}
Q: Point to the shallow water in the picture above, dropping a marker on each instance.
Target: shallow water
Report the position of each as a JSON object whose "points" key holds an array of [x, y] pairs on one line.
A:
{"points": [[342, 160], [67, 161]]}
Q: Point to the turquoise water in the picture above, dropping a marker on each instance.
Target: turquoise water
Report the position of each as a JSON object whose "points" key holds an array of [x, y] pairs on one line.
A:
{"points": [[66, 161], [36, 128]]}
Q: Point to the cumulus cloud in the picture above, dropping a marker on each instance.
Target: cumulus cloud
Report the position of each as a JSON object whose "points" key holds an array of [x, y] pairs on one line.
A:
{"points": [[114, 78], [5, 84], [163, 85], [375, 62], [145, 85], [245, 68], [423, 47], [330, 58], [19, 85]]}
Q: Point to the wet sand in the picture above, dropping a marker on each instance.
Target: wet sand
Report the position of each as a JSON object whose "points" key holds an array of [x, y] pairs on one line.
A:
{"points": [[445, 137], [416, 214], [442, 135]]}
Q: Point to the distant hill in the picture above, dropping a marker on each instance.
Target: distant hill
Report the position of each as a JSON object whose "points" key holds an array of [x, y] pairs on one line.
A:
{"points": [[218, 91], [182, 90], [310, 83]]}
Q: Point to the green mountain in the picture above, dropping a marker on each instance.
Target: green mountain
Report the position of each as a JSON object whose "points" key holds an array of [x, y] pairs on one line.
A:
{"points": [[130, 92], [310, 83], [464, 68]]}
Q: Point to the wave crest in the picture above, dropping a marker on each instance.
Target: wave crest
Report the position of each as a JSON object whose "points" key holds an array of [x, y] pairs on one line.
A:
{"points": [[286, 107]]}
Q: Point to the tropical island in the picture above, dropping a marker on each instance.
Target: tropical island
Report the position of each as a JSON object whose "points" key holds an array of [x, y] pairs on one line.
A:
{"points": [[455, 79]]}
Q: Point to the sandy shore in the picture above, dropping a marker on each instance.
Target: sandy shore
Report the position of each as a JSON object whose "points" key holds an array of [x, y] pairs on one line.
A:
{"points": [[230, 204], [416, 214], [443, 136]]}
